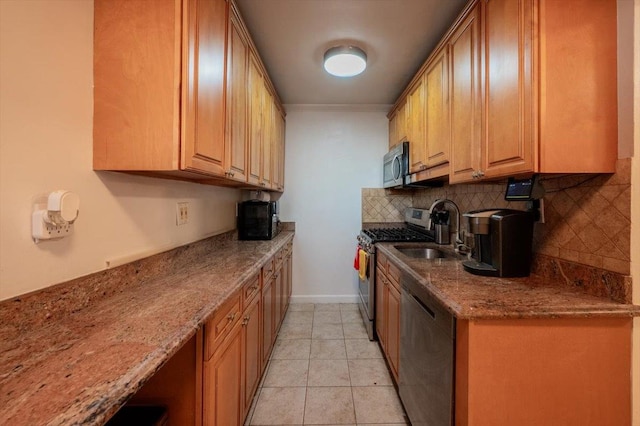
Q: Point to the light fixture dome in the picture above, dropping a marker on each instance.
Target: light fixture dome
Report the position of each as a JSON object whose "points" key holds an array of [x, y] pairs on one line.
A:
{"points": [[345, 61]]}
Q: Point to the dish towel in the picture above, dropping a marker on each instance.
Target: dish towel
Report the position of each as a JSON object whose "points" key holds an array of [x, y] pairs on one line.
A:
{"points": [[363, 258], [356, 260]]}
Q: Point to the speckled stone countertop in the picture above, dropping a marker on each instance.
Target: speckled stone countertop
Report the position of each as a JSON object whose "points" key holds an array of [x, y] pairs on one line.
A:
{"points": [[474, 297], [74, 353]]}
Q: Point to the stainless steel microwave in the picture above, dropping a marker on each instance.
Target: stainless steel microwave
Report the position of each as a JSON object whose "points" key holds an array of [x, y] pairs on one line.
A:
{"points": [[396, 166]]}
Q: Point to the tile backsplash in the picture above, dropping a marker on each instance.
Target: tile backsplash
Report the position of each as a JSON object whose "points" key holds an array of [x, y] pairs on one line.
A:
{"points": [[587, 217]]}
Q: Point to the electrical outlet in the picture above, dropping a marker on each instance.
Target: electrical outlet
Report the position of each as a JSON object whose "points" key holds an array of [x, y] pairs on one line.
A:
{"points": [[42, 230], [182, 213]]}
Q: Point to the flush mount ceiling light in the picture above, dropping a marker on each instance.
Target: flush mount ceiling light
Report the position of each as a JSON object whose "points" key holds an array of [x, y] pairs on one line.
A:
{"points": [[345, 61]]}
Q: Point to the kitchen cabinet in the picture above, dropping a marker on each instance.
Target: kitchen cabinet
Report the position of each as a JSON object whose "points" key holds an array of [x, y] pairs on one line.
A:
{"points": [[267, 138], [237, 94], [222, 396], [398, 125], [174, 93], [388, 311], [536, 371], [268, 317], [417, 122], [531, 83], [437, 111], [465, 98], [256, 90], [251, 350], [278, 157], [549, 73]]}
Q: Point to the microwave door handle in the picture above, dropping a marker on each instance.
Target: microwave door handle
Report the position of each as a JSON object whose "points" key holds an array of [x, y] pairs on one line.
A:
{"points": [[393, 167]]}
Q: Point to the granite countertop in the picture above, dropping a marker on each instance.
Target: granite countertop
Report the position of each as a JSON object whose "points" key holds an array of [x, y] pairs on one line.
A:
{"points": [[74, 353], [473, 297]]}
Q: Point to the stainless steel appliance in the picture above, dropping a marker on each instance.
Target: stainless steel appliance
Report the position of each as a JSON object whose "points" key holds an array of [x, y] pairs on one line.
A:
{"points": [[395, 166], [257, 220], [502, 242], [414, 230], [427, 354]]}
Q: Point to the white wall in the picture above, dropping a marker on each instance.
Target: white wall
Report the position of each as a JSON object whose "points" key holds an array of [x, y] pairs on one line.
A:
{"points": [[331, 153], [46, 108]]}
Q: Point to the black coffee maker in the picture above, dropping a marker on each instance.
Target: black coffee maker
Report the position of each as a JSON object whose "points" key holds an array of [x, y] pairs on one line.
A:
{"points": [[503, 240]]}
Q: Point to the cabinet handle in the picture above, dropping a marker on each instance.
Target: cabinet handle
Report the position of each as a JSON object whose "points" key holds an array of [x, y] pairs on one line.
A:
{"points": [[246, 320], [474, 175], [231, 317], [480, 173]]}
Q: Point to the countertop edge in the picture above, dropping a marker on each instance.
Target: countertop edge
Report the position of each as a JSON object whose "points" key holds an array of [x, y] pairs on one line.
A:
{"points": [[600, 308]]}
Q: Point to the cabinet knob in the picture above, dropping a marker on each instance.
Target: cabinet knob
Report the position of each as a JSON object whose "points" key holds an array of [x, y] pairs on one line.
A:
{"points": [[246, 320], [231, 317], [480, 173]]}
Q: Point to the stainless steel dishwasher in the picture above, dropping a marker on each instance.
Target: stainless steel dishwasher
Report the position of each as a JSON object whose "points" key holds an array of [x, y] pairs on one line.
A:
{"points": [[427, 354]]}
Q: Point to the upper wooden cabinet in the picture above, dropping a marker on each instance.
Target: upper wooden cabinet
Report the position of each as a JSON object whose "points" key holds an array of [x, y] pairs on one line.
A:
{"points": [[531, 83], [172, 94], [417, 120], [437, 110], [237, 101], [465, 99], [398, 125]]}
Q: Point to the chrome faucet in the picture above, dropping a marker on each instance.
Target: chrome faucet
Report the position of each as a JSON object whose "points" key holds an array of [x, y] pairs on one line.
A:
{"points": [[442, 202]]}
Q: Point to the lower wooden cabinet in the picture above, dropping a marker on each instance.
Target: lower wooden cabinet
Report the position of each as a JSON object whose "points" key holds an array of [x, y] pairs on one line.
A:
{"points": [[388, 311], [238, 341], [251, 352], [222, 391], [393, 328], [268, 332]]}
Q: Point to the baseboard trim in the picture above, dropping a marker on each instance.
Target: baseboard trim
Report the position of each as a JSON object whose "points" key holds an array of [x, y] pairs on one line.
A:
{"points": [[347, 298]]}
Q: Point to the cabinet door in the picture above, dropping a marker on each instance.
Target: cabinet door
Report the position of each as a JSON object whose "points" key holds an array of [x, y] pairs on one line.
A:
{"points": [[278, 154], [203, 144], [286, 270], [508, 128], [417, 121], [252, 362], [279, 291], [437, 105], [267, 138], [268, 334], [401, 126], [465, 99], [255, 120], [393, 130], [393, 329], [236, 130], [381, 320], [223, 382]]}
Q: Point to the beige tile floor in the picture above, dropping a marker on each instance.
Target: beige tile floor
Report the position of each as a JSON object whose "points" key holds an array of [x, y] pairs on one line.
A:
{"points": [[324, 371]]}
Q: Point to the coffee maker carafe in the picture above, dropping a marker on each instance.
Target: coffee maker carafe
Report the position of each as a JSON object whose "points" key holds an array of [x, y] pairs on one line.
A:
{"points": [[503, 240]]}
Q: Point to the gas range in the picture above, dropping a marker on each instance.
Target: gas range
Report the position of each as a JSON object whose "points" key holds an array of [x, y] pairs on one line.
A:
{"points": [[368, 237]]}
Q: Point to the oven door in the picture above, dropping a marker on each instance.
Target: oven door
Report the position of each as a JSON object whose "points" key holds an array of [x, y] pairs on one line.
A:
{"points": [[366, 290]]}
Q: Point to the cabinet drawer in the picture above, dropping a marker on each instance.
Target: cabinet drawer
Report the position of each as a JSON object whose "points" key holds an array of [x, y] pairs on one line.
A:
{"points": [[268, 268], [217, 328], [381, 261], [280, 256], [393, 272], [250, 289]]}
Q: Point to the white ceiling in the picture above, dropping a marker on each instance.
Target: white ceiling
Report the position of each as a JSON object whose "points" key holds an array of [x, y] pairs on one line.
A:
{"points": [[397, 35]]}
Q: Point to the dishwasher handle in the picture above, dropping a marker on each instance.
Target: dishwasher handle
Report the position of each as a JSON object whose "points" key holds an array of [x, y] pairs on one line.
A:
{"points": [[424, 307]]}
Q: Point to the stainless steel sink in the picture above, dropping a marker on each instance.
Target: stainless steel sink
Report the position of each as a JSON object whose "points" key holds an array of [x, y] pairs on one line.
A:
{"points": [[421, 252]]}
